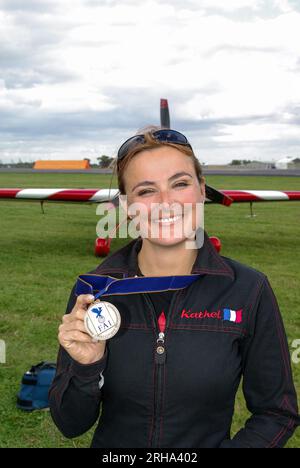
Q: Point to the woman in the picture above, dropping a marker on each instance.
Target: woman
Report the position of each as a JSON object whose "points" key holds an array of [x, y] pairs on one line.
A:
{"points": [[169, 377]]}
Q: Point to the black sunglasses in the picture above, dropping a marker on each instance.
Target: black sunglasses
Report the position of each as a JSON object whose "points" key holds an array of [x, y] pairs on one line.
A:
{"points": [[164, 136]]}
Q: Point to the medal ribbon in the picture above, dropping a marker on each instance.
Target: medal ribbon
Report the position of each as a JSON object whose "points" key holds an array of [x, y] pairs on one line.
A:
{"points": [[98, 285]]}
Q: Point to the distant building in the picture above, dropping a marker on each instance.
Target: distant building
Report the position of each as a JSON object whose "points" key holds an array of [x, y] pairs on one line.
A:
{"points": [[62, 165], [286, 163]]}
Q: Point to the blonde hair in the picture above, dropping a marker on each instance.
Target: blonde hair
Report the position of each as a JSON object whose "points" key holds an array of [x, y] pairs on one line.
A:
{"points": [[149, 144]]}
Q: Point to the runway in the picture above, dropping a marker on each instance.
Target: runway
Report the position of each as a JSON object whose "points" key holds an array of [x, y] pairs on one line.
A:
{"points": [[222, 172], [253, 172]]}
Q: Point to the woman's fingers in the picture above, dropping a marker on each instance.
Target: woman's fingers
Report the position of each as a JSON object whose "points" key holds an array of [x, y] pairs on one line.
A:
{"points": [[83, 301], [80, 308], [72, 334], [74, 316], [66, 337], [73, 325]]}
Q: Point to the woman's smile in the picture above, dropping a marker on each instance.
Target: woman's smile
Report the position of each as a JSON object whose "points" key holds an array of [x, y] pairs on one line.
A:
{"points": [[168, 220]]}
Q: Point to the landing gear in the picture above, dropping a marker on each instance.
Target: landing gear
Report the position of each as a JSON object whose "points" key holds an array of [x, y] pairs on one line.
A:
{"points": [[216, 243], [102, 247], [251, 215]]}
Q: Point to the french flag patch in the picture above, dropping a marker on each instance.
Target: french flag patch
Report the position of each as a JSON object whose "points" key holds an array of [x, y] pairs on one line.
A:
{"points": [[232, 315]]}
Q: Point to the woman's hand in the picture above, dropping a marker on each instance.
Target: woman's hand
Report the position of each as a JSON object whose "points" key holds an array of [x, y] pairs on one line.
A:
{"points": [[74, 338]]}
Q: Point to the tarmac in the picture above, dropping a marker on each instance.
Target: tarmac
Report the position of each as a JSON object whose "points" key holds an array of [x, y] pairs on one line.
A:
{"points": [[223, 172]]}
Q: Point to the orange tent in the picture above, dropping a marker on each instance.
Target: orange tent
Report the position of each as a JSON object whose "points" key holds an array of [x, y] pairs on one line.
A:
{"points": [[60, 165]]}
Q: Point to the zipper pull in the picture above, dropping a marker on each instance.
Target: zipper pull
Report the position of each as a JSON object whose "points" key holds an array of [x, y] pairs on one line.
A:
{"points": [[160, 354]]}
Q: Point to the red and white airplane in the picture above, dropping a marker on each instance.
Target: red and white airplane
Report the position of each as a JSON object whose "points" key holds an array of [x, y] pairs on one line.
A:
{"points": [[102, 246]]}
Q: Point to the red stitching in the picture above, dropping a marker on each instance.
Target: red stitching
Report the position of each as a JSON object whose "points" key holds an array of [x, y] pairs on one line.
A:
{"points": [[162, 395], [136, 326], [209, 270], [280, 332], [288, 405], [208, 328], [257, 290], [153, 392], [273, 413], [279, 328], [219, 259], [281, 434], [154, 375], [162, 405], [181, 292], [198, 327], [283, 430]]}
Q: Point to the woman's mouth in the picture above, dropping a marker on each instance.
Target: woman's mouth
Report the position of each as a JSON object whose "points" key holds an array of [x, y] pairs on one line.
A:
{"points": [[168, 220]]}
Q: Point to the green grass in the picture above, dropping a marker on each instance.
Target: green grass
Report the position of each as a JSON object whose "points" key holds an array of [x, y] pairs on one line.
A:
{"points": [[41, 256]]}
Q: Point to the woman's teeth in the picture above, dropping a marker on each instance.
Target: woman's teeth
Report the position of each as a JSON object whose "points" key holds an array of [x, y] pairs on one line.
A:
{"points": [[167, 220]]}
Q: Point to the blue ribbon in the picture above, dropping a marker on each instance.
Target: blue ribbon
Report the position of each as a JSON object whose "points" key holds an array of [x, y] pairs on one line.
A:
{"points": [[98, 285]]}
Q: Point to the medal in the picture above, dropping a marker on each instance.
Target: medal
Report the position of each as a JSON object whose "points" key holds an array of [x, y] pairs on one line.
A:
{"points": [[102, 320]]}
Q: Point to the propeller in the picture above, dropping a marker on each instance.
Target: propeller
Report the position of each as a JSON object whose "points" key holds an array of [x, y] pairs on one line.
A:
{"points": [[164, 114], [212, 194]]}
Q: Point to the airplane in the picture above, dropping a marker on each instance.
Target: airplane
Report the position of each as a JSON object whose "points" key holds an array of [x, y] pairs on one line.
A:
{"points": [[111, 196]]}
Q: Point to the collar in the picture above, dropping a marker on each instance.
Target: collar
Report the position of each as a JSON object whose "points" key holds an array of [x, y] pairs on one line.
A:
{"points": [[125, 262]]}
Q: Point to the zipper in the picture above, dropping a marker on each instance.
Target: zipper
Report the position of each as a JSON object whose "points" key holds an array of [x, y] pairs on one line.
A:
{"points": [[160, 358], [160, 354]]}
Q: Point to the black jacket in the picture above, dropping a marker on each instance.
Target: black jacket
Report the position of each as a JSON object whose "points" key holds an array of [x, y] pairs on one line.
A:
{"points": [[185, 399]]}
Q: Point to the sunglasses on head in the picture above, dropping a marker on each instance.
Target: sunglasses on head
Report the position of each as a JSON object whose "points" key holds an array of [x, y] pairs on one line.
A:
{"points": [[163, 136]]}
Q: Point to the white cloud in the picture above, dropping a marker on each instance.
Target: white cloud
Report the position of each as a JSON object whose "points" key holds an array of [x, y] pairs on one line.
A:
{"points": [[258, 132], [99, 68]]}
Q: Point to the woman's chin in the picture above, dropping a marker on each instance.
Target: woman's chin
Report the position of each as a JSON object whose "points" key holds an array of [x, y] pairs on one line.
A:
{"points": [[167, 242]]}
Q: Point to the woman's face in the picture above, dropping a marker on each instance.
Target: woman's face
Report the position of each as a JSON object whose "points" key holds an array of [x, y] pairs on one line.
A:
{"points": [[163, 194]]}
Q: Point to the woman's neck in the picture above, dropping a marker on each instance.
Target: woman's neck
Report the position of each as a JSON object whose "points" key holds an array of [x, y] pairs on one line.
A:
{"points": [[157, 260]]}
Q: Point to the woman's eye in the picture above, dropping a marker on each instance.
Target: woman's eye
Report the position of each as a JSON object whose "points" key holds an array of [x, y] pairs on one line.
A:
{"points": [[181, 184], [149, 192], [144, 192]]}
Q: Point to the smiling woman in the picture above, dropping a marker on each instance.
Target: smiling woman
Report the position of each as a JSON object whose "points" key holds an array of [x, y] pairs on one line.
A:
{"points": [[193, 323], [168, 200]]}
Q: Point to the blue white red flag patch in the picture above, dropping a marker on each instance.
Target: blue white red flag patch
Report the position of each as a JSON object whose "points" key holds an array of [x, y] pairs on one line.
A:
{"points": [[232, 315]]}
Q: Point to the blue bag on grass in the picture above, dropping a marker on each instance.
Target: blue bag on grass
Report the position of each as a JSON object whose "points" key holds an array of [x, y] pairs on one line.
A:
{"points": [[35, 386]]}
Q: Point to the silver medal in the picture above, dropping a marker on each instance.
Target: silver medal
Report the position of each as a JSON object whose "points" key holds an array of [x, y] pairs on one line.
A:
{"points": [[102, 320]]}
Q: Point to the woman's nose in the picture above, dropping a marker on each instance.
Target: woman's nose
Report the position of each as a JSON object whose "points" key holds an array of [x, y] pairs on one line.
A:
{"points": [[164, 197]]}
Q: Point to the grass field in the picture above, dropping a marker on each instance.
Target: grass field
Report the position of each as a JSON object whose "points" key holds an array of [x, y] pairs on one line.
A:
{"points": [[41, 256]]}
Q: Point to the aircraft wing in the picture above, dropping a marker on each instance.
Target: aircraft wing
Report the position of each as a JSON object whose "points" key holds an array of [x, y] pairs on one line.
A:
{"points": [[60, 195], [105, 195], [242, 196]]}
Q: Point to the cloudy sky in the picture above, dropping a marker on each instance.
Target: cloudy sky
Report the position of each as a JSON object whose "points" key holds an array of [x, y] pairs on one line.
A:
{"points": [[77, 77]]}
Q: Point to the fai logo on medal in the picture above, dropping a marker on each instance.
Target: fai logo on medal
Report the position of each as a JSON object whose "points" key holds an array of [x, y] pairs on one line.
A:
{"points": [[97, 311], [102, 320]]}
